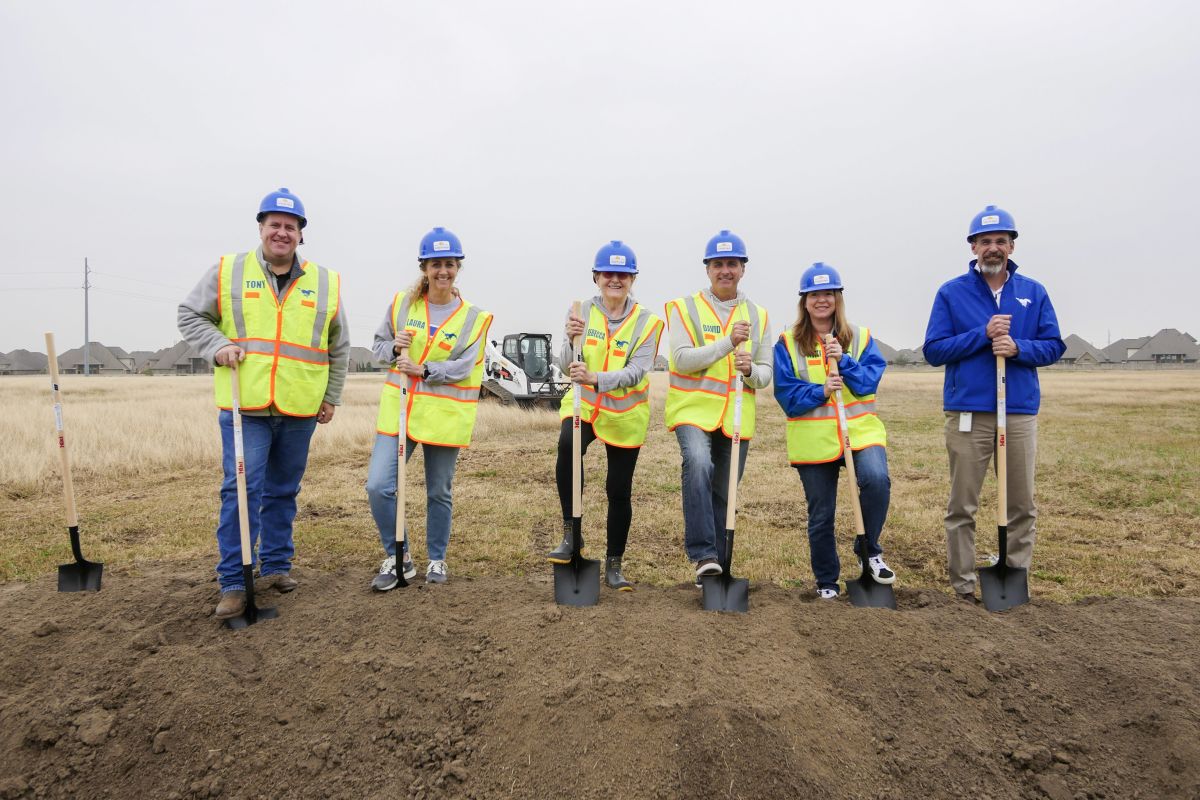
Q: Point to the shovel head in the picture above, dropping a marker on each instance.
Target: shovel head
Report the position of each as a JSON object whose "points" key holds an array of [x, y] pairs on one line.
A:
{"points": [[725, 593], [1003, 586], [251, 613], [83, 575], [577, 583], [865, 591]]}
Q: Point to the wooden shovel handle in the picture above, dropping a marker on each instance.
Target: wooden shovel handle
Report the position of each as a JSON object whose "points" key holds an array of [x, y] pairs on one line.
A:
{"points": [[401, 464], [848, 454], [63, 455], [576, 433], [239, 467], [1001, 443]]}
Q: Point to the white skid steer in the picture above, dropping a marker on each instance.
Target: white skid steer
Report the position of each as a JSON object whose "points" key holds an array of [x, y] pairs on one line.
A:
{"points": [[523, 372]]}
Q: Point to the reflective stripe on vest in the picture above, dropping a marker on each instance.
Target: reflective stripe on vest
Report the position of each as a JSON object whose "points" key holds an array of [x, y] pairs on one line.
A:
{"points": [[814, 437], [438, 414], [619, 417], [286, 339], [701, 398]]}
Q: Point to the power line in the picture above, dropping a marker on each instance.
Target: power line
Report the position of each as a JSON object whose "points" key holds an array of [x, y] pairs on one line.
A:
{"points": [[42, 272], [123, 293], [138, 280]]}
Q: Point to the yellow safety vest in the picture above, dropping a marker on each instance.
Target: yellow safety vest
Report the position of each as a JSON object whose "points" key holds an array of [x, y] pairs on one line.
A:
{"points": [[619, 417], [702, 398], [814, 437], [286, 339], [442, 414]]}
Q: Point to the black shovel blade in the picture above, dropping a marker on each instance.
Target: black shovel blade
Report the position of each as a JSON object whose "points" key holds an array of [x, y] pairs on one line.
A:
{"points": [[82, 576], [725, 593], [1003, 586], [251, 615], [577, 583], [865, 591]]}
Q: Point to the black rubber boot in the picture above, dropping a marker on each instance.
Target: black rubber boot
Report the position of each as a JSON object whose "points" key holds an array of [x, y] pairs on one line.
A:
{"points": [[562, 553], [613, 577]]}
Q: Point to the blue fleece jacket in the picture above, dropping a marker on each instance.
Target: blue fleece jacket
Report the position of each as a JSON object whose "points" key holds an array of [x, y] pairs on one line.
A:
{"points": [[797, 396], [956, 336]]}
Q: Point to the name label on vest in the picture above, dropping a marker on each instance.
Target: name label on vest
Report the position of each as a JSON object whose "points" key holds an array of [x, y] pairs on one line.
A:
{"points": [[419, 324], [711, 328], [256, 284], [595, 333]]}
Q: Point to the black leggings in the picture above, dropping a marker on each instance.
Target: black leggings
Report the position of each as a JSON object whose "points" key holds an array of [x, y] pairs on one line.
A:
{"points": [[619, 485]]}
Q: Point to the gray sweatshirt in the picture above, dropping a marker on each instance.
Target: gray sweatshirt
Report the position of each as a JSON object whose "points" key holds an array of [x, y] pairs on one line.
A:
{"points": [[198, 321], [449, 371], [689, 358], [638, 364]]}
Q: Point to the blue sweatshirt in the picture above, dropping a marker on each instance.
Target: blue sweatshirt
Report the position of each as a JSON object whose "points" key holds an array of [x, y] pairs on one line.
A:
{"points": [[797, 396], [956, 337]]}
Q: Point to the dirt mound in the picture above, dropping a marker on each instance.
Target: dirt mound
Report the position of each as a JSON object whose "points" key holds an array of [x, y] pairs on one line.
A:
{"points": [[484, 688]]}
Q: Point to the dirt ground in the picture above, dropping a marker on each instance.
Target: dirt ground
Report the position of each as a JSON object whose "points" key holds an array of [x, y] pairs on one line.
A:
{"points": [[484, 688]]}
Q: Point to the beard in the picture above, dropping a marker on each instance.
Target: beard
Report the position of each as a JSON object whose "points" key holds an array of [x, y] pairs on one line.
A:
{"points": [[994, 268]]}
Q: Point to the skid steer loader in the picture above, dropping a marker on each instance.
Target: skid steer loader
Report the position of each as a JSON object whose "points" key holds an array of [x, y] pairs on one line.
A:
{"points": [[523, 372]]}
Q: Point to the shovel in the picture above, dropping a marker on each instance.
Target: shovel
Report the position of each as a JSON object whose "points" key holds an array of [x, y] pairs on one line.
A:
{"points": [[865, 591], [577, 583], [401, 469], [1002, 586], [83, 575], [724, 592], [252, 613]]}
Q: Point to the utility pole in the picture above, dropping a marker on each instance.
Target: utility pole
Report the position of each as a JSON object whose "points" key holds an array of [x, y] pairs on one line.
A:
{"points": [[87, 360]]}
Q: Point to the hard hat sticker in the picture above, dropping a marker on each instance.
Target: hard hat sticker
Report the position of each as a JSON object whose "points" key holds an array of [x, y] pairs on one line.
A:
{"points": [[820, 279], [616, 260], [724, 247], [285, 202], [440, 246], [990, 219]]}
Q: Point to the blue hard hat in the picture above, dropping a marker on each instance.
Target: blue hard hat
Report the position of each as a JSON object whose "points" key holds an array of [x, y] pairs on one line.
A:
{"points": [[440, 243], [820, 277], [282, 202], [725, 245], [992, 219], [616, 256]]}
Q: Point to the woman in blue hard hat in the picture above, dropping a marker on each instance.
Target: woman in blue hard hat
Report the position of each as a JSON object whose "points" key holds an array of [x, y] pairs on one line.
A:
{"points": [[805, 389], [620, 340], [434, 340]]}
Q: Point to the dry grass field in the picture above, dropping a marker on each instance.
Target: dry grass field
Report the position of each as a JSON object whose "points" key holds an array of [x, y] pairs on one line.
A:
{"points": [[1119, 485]]}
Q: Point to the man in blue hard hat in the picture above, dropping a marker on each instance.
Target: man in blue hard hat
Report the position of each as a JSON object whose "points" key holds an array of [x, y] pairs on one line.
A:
{"points": [[281, 320], [990, 311], [714, 334]]}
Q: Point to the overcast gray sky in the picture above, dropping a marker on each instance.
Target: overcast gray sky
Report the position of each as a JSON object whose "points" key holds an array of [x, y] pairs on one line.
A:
{"points": [[143, 135]]}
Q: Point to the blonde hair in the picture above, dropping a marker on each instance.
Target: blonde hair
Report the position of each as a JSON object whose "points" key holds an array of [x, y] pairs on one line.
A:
{"points": [[806, 335], [420, 287]]}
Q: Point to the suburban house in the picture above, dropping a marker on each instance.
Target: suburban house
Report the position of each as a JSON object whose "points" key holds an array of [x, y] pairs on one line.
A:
{"points": [[23, 362], [1080, 353], [179, 359], [102, 361], [363, 360], [1168, 346]]}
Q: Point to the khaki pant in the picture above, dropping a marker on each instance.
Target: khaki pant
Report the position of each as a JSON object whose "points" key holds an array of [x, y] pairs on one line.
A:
{"points": [[970, 455]]}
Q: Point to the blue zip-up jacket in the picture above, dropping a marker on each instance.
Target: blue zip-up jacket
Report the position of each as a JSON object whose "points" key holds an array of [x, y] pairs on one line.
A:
{"points": [[956, 337], [797, 396]]}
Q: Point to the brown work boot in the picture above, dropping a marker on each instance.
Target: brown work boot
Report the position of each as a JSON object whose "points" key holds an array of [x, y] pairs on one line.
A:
{"points": [[968, 597], [231, 604], [284, 583]]}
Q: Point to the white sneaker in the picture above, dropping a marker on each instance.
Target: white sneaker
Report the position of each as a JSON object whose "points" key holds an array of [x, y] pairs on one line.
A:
{"points": [[880, 571], [436, 572], [410, 569], [827, 594]]}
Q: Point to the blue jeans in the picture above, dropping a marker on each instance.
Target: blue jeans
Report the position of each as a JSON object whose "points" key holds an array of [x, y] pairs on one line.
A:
{"points": [[276, 453], [705, 478], [820, 489], [439, 504]]}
